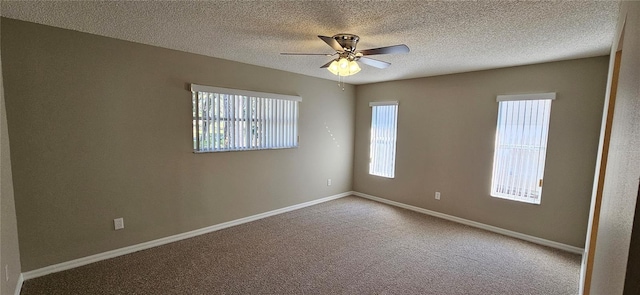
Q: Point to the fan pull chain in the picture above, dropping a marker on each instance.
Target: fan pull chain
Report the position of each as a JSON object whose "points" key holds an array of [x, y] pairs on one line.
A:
{"points": [[341, 81]]}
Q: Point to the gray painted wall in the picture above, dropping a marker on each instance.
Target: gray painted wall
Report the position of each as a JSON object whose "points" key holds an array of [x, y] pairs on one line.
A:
{"points": [[446, 133], [9, 252], [101, 128], [620, 193]]}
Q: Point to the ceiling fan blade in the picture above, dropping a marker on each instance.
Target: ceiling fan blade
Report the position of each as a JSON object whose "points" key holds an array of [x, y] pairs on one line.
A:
{"points": [[386, 50], [327, 64], [299, 53], [374, 62], [332, 42]]}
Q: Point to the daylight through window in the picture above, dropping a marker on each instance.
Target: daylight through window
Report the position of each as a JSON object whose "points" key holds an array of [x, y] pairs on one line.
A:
{"points": [[384, 121], [521, 146], [237, 120]]}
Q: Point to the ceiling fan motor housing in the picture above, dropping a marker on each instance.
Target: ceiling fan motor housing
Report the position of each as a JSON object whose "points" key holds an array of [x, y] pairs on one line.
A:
{"points": [[347, 41]]}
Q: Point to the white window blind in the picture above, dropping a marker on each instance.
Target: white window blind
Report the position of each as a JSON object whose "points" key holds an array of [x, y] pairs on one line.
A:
{"points": [[237, 120], [521, 146], [382, 152]]}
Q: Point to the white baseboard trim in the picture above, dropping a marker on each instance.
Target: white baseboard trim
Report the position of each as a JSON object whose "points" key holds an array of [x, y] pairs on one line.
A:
{"points": [[150, 244], [491, 228], [19, 284]]}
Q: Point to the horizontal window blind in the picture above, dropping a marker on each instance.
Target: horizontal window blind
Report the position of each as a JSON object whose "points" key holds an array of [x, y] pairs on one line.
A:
{"points": [[236, 120], [382, 159], [520, 148]]}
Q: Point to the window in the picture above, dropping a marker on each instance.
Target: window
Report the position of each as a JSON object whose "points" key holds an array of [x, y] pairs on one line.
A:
{"points": [[521, 146], [382, 152], [238, 120]]}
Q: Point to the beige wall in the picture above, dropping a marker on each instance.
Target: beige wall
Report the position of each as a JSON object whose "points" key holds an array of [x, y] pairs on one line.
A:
{"points": [[9, 252], [620, 193], [101, 128], [446, 131]]}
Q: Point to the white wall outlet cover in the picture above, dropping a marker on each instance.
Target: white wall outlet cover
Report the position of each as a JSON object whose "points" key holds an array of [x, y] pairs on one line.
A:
{"points": [[437, 195], [118, 223], [329, 182]]}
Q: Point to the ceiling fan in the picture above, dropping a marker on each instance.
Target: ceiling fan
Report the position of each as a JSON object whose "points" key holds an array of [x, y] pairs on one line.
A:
{"points": [[345, 46]]}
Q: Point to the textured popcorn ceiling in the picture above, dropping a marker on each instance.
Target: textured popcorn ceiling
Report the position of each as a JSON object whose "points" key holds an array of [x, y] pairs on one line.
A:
{"points": [[444, 36]]}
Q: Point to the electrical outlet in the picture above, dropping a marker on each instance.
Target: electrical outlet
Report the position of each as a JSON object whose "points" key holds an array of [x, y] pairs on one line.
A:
{"points": [[118, 223], [328, 181], [437, 195]]}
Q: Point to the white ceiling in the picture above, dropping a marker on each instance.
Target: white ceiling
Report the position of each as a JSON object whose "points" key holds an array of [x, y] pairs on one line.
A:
{"points": [[444, 36]]}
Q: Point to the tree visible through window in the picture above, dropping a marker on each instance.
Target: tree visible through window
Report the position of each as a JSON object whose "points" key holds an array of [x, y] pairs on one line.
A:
{"points": [[521, 146], [236, 120]]}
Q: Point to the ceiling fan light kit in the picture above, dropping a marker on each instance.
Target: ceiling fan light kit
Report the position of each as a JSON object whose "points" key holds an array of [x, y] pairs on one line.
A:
{"points": [[346, 62], [344, 67]]}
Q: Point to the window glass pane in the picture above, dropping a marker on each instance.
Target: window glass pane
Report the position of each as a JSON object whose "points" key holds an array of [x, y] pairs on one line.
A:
{"points": [[520, 150], [232, 122], [383, 140]]}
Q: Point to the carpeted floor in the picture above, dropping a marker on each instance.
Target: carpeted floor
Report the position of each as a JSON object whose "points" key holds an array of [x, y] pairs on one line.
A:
{"points": [[346, 246]]}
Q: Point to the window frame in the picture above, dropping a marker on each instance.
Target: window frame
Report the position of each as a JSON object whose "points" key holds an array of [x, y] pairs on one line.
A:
{"points": [[529, 162], [372, 141], [270, 114]]}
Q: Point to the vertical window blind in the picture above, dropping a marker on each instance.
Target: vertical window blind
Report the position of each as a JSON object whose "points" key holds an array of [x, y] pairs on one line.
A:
{"points": [[521, 146], [382, 152], [237, 120]]}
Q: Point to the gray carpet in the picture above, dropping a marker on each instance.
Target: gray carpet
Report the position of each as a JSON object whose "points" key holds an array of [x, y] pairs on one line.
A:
{"points": [[346, 246]]}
